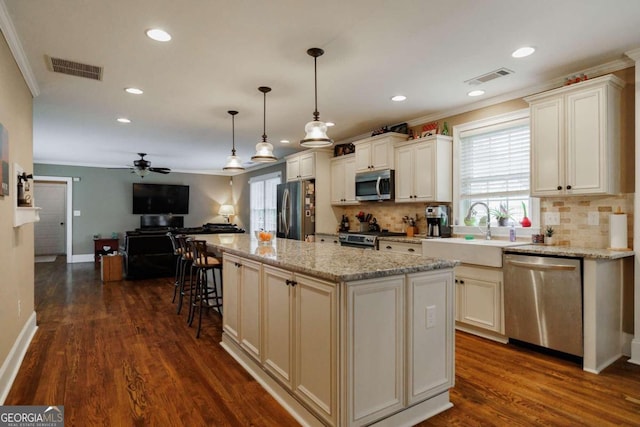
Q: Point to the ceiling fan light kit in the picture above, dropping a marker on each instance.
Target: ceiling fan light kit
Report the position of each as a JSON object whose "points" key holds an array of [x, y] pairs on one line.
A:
{"points": [[316, 131], [264, 150], [233, 161], [142, 167]]}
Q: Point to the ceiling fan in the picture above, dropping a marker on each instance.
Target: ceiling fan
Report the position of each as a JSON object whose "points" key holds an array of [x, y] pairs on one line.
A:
{"points": [[142, 167]]}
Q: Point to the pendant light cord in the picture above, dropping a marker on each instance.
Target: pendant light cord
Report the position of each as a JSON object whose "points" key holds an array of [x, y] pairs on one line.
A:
{"points": [[316, 114], [264, 118], [233, 134]]}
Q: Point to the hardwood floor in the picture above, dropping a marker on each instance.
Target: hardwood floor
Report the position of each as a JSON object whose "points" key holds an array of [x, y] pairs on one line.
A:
{"points": [[117, 354]]}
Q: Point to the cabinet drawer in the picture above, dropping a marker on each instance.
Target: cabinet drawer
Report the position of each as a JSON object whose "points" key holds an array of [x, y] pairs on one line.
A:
{"points": [[400, 247]]}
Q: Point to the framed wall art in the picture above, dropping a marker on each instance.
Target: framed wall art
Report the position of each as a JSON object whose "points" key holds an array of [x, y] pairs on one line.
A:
{"points": [[4, 161]]}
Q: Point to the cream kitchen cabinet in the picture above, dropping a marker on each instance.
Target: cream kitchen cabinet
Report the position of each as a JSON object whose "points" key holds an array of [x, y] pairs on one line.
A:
{"points": [[575, 139], [400, 247], [241, 303], [479, 301], [301, 166], [301, 338], [424, 170], [376, 153], [343, 180]]}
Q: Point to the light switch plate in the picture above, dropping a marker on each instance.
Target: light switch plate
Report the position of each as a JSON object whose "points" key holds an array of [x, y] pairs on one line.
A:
{"points": [[552, 218], [593, 218], [76, 213]]}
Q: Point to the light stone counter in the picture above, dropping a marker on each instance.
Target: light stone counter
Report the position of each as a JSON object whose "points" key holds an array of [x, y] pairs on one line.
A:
{"points": [[329, 262], [569, 251]]}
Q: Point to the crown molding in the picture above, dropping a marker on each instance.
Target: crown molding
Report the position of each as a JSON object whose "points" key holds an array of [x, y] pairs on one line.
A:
{"points": [[634, 54], [9, 31], [598, 70]]}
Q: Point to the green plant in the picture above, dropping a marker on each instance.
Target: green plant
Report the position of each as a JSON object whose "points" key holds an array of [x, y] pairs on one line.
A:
{"points": [[550, 231], [502, 213]]}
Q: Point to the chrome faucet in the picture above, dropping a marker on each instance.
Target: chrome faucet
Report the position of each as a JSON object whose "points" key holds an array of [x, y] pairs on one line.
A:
{"points": [[488, 232]]}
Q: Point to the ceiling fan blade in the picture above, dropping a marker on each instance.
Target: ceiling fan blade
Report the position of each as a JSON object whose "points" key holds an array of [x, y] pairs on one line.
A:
{"points": [[160, 170]]}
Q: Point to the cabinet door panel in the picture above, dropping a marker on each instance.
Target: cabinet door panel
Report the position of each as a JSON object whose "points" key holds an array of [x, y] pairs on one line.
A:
{"points": [[250, 309], [307, 166], [363, 157], [316, 345], [586, 155], [424, 172], [430, 329], [380, 154], [277, 321], [337, 181], [547, 151], [404, 174], [350, 180], [481, 303], [375, 349], [231, 300]]}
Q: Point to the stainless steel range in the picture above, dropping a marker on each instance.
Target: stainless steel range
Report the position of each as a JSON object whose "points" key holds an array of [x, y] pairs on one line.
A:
{"points": [[364, 239]]}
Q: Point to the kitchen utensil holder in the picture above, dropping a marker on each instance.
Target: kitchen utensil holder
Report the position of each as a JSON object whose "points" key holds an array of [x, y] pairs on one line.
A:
{"points": [[364, 226]]}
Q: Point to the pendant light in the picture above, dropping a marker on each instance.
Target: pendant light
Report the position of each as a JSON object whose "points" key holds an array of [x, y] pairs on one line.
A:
{"points": [[264, 150], [316, 130], [233, 161]]}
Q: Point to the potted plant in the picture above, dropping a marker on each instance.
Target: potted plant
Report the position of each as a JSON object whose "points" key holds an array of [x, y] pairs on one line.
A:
{"points": [[502, 214], [548, 236]]}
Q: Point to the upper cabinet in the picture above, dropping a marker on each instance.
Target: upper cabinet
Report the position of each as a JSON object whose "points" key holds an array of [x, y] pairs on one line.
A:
{"points": [[575, 139], [301, 166], [376, 153], [343, 180], [424, 170]]}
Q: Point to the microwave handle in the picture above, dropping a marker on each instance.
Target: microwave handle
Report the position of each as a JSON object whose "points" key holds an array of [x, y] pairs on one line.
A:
{"points": [[378, 188]]}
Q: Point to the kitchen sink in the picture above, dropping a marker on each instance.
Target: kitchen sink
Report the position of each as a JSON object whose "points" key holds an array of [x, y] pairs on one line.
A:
{"points": [[476, 251]]}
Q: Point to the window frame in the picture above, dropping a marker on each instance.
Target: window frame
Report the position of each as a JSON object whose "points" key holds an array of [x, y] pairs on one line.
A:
{"points": [[534, 205], [262, 178]]}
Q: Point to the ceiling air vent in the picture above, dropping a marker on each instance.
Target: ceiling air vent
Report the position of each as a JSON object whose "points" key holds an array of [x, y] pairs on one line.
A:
{"points": [[500, 72], [72, 68]]}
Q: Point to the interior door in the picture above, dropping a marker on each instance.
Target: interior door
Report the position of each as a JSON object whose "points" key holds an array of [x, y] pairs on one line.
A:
{"points": [[50, 231]]}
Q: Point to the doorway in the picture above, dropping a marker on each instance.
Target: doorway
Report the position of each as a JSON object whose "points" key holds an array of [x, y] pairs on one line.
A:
{"points": [[53, 233]]}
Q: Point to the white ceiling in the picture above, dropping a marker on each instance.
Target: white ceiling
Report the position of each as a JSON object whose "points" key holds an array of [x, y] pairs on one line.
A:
{"points": [[223, 50]]}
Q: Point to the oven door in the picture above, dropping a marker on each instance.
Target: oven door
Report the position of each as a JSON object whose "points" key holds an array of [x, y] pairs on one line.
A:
{"points": [[357, 245]]}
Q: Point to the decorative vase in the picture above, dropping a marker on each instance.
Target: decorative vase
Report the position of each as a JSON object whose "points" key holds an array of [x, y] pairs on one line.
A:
{"points": [[502, 222], [526, 222], [548, 240]]}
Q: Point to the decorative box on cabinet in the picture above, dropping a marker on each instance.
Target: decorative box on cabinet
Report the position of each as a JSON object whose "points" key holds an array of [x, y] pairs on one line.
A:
{"points": [[424, 170], [575, 139], [376, 153], [343, 180]]}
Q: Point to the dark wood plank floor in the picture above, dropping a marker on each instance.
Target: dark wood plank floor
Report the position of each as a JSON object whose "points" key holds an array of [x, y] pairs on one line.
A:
{"points": [[117, 354]]}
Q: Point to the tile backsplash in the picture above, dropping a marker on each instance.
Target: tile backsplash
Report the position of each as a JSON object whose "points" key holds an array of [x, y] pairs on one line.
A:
{"points": [[574, 228]]}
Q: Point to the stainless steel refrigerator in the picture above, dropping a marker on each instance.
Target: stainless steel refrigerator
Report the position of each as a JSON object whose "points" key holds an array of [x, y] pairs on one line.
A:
{"points": [[296, 210]]}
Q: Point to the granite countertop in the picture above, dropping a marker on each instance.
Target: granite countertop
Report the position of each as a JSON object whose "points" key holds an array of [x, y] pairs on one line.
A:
{"points": [[329, 262], [570, 251]]}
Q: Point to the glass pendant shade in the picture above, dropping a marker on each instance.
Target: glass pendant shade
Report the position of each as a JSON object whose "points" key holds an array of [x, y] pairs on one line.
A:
{"points": [[233, 162], [316, 131], [316, 135], [141, 172], [264, 150]]}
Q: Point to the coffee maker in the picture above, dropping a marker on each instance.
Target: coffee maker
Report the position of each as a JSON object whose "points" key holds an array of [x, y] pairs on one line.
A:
{"points": [[438, 221]]}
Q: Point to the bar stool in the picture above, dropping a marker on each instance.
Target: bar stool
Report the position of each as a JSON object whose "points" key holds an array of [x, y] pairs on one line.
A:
{"points": [[177, 251], [186, 260], [204, 296]]}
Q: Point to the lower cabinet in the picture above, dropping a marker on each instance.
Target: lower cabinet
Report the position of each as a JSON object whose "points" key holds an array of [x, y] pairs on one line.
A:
{"points": [[400, 247], [301, 337], [479, 298]]}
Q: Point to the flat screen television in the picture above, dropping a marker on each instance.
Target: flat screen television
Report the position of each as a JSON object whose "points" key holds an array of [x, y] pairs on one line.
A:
{"points": [[160, 199]]}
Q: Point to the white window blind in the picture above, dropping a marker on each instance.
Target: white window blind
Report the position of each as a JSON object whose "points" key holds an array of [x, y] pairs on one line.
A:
{"points": [[494, 167], [263, 193]]}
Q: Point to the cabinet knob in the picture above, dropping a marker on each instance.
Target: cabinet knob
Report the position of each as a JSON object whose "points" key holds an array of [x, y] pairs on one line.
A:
{"points": [[388, 247], [411, 250], [568, 187], [559, 187]]}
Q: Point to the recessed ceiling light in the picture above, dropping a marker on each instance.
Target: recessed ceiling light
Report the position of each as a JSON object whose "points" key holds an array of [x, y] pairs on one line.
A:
{"points": [[476, 92], [123, 120], [134, 90], [523, 51], [398, 98], [158, 35], [284, 141], [329, 124]]}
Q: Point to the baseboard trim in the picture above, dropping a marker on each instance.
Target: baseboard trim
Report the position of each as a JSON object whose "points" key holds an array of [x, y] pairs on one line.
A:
{"points": [[82, 258], [12, 363]]}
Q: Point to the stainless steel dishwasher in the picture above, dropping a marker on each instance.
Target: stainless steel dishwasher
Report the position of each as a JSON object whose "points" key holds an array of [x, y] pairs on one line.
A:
{"points": [[543, 301]]}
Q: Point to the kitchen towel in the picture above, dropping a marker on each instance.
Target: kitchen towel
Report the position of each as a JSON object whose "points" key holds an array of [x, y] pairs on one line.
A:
{"points": [[618, 231]]}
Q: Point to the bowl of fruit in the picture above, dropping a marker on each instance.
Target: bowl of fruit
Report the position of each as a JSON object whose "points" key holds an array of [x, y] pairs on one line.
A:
{"points": [[264, 237]]}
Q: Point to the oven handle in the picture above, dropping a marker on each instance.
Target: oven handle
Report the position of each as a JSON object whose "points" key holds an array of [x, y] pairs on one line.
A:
{"points": [[535, 266]]}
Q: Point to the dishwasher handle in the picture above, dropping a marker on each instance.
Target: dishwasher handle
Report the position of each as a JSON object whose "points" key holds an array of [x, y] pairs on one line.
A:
{"points": [[536, 266]]}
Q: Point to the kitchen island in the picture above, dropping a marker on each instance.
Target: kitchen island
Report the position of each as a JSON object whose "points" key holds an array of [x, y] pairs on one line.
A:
{"points": [[340, 336]]}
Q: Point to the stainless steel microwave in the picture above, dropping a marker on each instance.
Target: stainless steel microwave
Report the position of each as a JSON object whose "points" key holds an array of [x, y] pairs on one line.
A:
{"points": [[376, 185]]}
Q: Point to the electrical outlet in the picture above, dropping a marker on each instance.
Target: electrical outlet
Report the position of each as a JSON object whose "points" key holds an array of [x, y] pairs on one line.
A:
{"points": [[552, 218], [593, 218], [431, 316]]}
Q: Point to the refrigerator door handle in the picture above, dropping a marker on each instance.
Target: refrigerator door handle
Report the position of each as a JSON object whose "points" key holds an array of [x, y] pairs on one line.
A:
{"points": [[286, 212]]}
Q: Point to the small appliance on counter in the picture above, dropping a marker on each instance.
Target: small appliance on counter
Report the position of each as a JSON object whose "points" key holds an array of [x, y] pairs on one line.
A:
{"points": [[438, 221]]}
